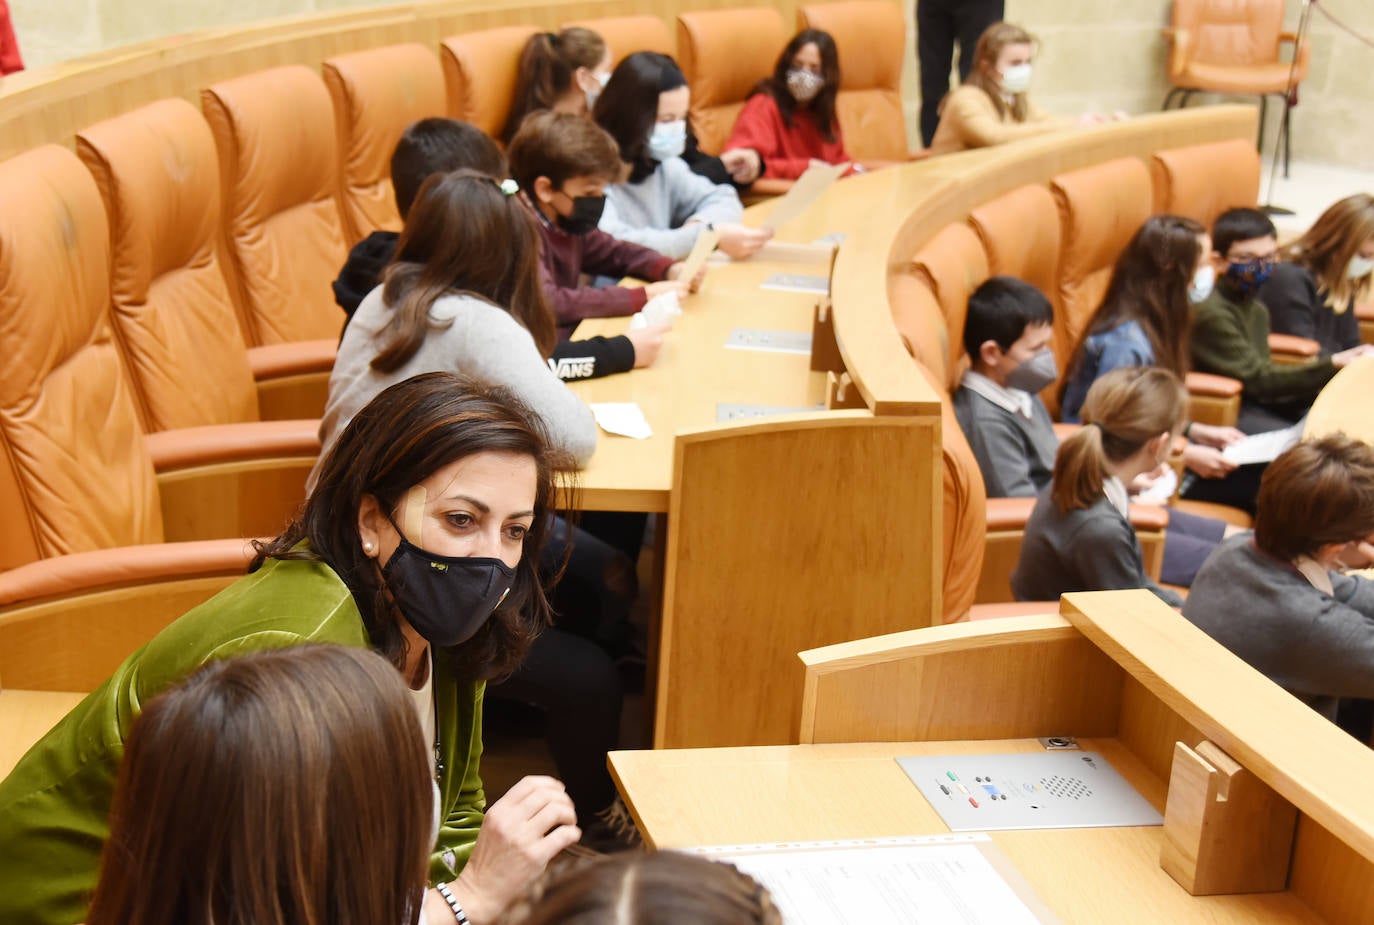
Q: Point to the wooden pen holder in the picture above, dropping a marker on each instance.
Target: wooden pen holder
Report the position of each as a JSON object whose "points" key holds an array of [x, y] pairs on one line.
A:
{"points": [[1225, 830]]}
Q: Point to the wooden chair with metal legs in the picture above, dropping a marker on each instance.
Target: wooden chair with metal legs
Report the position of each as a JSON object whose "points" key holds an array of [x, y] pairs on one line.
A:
{"points": [[1219, 46]]}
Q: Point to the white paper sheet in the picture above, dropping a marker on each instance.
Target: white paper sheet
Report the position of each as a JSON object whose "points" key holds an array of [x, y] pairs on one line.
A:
{"points": [[946, 879], [1161, 490], [705, 244], [1263, 448], [623, 418], [661, 309], [806, 190]]}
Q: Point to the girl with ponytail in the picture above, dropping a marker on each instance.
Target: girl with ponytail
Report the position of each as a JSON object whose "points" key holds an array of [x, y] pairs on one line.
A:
{"points": [[1079, 537]]}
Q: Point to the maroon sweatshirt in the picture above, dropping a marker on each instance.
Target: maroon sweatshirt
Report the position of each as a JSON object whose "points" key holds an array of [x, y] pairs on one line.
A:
{"points": [[565, 257]]}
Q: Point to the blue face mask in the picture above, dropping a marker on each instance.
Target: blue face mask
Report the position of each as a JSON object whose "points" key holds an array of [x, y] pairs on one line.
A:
{"points": [[667, 140]]}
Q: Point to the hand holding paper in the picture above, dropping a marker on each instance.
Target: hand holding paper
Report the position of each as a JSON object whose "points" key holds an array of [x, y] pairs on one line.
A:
{"points": [[693, 269], [660, 310]]}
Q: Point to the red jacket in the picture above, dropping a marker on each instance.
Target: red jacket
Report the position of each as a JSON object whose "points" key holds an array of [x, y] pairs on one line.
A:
{"points": [[563, 258], [786, 152], [9, 48]]}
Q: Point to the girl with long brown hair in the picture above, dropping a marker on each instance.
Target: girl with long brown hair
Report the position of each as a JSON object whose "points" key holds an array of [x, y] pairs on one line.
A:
{"points": [[462, 295], [562, 71], [1325, 272], [216, 817], [421, 541], [1079, 537], [789, 120], [992, 106]]}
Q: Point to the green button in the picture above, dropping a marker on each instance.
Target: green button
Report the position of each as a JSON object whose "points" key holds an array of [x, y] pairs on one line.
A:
{"points": [[951, 775]]}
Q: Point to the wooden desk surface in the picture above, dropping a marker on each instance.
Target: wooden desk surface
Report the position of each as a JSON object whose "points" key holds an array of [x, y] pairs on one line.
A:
{"points": [[694, 372], [708, 796], [1343, 405], [25, 717]]}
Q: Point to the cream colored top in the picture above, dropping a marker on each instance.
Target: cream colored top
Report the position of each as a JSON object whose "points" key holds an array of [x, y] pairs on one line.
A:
{"points": [[969, 119]]}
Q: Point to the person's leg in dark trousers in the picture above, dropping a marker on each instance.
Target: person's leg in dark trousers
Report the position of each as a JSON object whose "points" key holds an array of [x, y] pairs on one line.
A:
{"points": [[597, 587], [971, 20], [934, 54], [577, 686]]}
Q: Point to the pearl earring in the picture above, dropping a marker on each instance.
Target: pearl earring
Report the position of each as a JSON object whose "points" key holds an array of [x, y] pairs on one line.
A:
{"points": [[367, 547]]}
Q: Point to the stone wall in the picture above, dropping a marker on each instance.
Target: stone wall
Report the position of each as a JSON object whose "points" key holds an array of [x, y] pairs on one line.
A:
{"points": [[1095, 54]]}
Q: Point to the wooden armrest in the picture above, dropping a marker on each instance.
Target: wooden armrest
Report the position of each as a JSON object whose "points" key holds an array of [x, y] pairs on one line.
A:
{"points": [[1149, 517], [1008, 513], [307, 356], [1303, 347], [221, 443], [769, 186], [1065, 431], [1012, 609], [1212, 385], [124, 566]]}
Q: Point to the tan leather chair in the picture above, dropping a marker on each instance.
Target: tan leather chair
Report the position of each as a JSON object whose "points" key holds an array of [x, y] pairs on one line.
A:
{"points": [[1100, 209], [952, 265], [1020, 232], [176, 326], [481, 70], [1203, 181], [227, 480], [284, 244], [871, 38], [376, 94], [625, 35], [724, 54], [1234, 46]]}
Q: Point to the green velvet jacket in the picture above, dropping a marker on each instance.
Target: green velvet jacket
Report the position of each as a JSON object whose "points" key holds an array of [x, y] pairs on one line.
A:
{"points": [[54, 806]]}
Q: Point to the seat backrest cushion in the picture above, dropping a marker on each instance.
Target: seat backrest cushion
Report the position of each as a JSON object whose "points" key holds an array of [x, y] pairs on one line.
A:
{"points": [[1019, 231], [174, 322], [75, 464], [724, 54], [954, 264], [1231, 32], [625, 35], [1100, 208], [871, 38], [481, 70], [918, 318], [376, 94], [278, 157], [1203, 181]]}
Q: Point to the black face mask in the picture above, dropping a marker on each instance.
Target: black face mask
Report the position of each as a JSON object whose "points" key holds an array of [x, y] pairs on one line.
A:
{"points": [[447, 599], [586, 214]]}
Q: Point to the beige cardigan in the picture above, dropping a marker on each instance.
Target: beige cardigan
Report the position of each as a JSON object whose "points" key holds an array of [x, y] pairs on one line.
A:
{"points": [[968, 119]]}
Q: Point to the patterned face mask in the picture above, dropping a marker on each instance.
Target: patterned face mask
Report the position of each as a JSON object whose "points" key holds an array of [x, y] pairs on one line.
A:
{"points": [[1246, 277], [804, 85]]}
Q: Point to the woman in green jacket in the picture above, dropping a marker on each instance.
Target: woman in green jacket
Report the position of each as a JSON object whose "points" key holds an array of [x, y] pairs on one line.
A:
{"points": [[421, 541]]}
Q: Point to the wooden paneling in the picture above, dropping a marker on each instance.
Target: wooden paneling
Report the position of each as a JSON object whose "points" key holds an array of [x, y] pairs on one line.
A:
{"points": [[1331, 876], [997, 679], [783, 536]]}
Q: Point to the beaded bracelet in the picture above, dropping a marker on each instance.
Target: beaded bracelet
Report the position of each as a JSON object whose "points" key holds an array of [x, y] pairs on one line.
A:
{"points": [[458, 912]]}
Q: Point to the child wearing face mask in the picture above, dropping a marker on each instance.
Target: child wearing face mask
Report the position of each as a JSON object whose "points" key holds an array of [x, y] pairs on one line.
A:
{"points": [[1313, 292], [1231, 328], [1079, 537], [563, 71], [563, 164], [1007, 334], [662, 204], [991, 107], [1278, 598], [789, 121]]}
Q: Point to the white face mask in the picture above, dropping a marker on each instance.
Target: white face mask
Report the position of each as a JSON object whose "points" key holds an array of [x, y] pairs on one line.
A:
{"points": [[1203, 280], [668, 140], [1359, 267], [1017, 78], [601, 80]]}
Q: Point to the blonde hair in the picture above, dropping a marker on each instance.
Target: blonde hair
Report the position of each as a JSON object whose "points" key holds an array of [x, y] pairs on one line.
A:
{"points": [[1329, 244], [1124, 410], [983, 73]]}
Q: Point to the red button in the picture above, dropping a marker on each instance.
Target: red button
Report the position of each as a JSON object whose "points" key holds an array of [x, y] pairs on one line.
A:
{"points": [[974, 802]]}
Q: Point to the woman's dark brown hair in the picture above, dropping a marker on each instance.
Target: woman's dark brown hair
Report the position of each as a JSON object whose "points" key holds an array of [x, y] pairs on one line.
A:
{"points": [[283, 787], [547, 66], [463, 236], [628, 107], [1149, 286], [402, 437], [663, 888], [1317, 493], [1124, 410], [983, 74], [822, 107]]}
